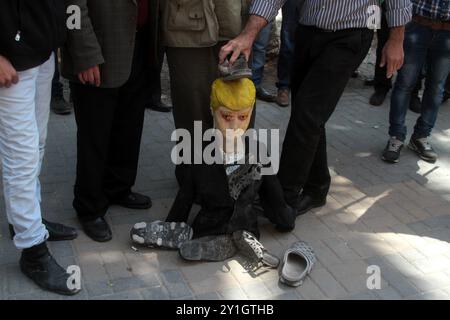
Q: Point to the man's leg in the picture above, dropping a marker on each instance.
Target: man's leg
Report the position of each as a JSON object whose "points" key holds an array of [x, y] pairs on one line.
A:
{"points": [[94, 113], [438, 67], [58, 104], [42, 99], [155, 86], [417, 39], [258, 59], [192, 72], [314, 103], [447, 90], [43, 95], [19, 148], [19, 142], [126, 133], [285, 59]]}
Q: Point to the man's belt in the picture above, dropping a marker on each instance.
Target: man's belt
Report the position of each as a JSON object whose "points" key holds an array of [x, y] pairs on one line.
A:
{"points": [[433, 24]]}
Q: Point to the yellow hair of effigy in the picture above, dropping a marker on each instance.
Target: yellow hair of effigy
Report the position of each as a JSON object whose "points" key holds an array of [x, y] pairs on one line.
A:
{"points": [[235, 95]]}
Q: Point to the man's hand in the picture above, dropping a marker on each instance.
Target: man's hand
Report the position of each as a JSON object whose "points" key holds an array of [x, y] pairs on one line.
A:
{"points": [[90, 76], [393, 56], [8, 75], [243, 43]]}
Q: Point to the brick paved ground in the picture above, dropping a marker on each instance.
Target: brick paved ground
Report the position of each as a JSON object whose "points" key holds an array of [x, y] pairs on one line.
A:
{"points": [[393, 216]]}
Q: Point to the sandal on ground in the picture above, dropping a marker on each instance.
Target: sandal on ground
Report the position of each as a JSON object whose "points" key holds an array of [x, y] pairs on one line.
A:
{"points": [[253, 250], [170, 235], [298, 261], [209, 248]]}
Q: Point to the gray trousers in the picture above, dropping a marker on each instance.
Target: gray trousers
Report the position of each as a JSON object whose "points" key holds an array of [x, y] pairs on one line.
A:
{"points": [[192, 72]]}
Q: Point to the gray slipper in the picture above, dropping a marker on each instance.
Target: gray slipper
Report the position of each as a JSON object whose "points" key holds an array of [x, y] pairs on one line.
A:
{"points": [[239, 69], [298, 261], [210, 248], [170, 235], [253, 250]]}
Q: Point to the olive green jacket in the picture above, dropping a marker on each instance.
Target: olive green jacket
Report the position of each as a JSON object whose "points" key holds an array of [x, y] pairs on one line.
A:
{"points": [[202, 23]]}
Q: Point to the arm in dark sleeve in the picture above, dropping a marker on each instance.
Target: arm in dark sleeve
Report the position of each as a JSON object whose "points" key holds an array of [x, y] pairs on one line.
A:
{"points": [[82, 44]]}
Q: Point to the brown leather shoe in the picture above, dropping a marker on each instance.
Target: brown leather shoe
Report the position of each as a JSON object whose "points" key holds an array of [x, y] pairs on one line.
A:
{"points": [[283, 97]]}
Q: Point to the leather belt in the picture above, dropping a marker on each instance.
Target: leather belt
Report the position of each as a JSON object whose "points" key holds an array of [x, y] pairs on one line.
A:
{"points": [[433, 24]]}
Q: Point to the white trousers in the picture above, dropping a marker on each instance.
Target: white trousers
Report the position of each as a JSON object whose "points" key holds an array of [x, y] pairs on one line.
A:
{"points": [[24, 112]]}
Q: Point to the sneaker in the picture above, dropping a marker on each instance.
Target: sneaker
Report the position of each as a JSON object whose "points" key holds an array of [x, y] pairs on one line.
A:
{"points": [[254, 251], [378, 97], [392, 151], [239, 69], [60, 106], [283, 97], [170, 235], [210, 248], [423, 149], [264, 95]]}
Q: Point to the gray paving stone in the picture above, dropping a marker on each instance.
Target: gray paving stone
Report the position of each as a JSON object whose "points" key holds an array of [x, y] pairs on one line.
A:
{"points": [[292, 295], [328, 284], [175, 283], [136, 282], [233, 294], [208, 296], [366, 295], [17, 283], [99, 288], [155, 293], [129, 295], [256, 290], [388, 293]]}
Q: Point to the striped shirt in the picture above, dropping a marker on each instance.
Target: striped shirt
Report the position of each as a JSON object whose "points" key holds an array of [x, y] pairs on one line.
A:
{"points": [[433, 9], [338, 14]]}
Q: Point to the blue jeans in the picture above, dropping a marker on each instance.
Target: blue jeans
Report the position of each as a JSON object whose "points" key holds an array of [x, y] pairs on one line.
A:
{"points": [[288, 28], [423, 46], [259, 55]]}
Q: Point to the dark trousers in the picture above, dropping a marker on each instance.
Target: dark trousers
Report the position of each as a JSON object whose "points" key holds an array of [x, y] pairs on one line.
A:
{"points": [[447, 85], [155, 79], [323, 64], [57, 86], [382, 82], [110, 123]]}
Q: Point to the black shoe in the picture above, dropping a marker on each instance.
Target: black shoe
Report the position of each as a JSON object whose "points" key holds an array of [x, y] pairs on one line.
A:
{"points": [[355, 74], [134, 201], [159, 107], [98, 229], [369, 82], [415, 105], [264, 95], [306, 202], [38, 264], [392, 151], [423, 149], [56, 231], [60, 106], [378, 97]]}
